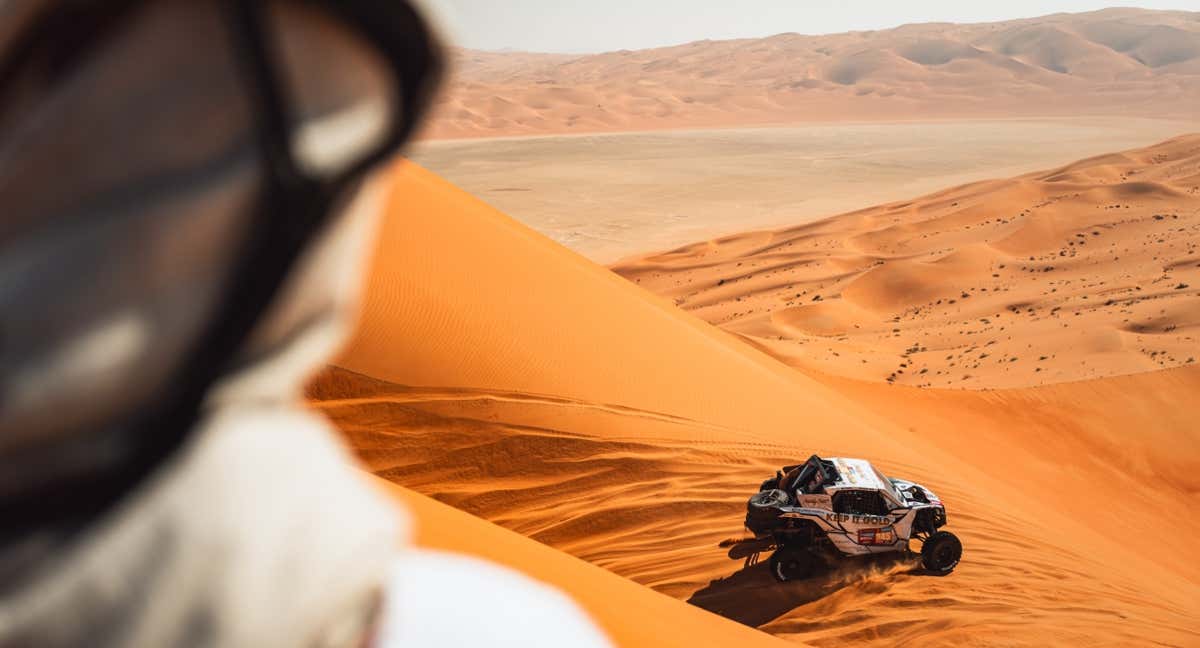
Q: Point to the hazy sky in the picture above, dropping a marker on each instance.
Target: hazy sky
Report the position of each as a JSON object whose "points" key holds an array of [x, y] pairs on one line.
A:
{"points": [[604, 25]]}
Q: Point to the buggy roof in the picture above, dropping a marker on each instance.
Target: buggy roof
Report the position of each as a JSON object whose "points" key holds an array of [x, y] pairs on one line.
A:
{"points": [[855, 473]]}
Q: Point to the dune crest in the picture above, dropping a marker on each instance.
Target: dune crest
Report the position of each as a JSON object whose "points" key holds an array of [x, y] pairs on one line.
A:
{"points": [[510, 378], [1114, 61]]}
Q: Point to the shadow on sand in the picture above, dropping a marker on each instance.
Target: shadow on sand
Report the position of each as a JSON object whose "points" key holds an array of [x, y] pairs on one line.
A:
{"points": [[753, 597]]}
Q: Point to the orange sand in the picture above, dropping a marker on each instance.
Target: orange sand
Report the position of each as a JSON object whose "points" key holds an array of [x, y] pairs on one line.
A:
{"points": [[504, 375], [1111, 62], [631, 615]]}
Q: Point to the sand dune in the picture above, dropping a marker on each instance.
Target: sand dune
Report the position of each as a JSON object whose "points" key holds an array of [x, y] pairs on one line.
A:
{"points": [[462, 297], [504, 375], [1084, 271], [1115, 61], [642, 502]]}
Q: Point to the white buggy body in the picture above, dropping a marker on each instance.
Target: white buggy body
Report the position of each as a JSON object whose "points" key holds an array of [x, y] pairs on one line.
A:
{"points": [[850, 507], [865, 529]]}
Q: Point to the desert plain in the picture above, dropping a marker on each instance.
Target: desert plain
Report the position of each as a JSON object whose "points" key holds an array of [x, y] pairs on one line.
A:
{"points": [[614, 195], [1006, 310]]}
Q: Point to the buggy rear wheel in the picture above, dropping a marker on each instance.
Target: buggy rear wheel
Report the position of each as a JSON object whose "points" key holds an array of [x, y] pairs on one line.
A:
{"points": [[791, 563], [941, 552]]}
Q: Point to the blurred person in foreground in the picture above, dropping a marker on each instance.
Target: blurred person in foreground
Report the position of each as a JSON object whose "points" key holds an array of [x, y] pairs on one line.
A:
{"points": [[185, 203]]}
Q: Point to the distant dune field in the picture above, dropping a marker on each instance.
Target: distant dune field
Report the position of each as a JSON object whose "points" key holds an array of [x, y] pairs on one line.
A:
{"points": [[1110, 62], [1087, 270], [500, 373]]}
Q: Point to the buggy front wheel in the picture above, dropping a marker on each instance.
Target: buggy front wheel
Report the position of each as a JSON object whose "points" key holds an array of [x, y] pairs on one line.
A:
{"points": [[941, 552]]}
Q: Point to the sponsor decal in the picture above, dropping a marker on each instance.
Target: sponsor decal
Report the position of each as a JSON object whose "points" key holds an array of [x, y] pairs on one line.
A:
{"points": [[884, 536], [877, 520], [815, 501]]}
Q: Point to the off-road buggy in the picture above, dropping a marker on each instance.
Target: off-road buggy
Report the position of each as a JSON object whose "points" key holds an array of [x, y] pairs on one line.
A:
{"points": [[838, 507]]}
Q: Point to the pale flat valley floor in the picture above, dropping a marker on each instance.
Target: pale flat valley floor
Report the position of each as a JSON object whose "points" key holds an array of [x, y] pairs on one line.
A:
{"points": [[610, 196]]}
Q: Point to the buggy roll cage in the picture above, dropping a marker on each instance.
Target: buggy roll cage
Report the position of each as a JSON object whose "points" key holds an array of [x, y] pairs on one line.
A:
{"points": [[808, 477]]}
